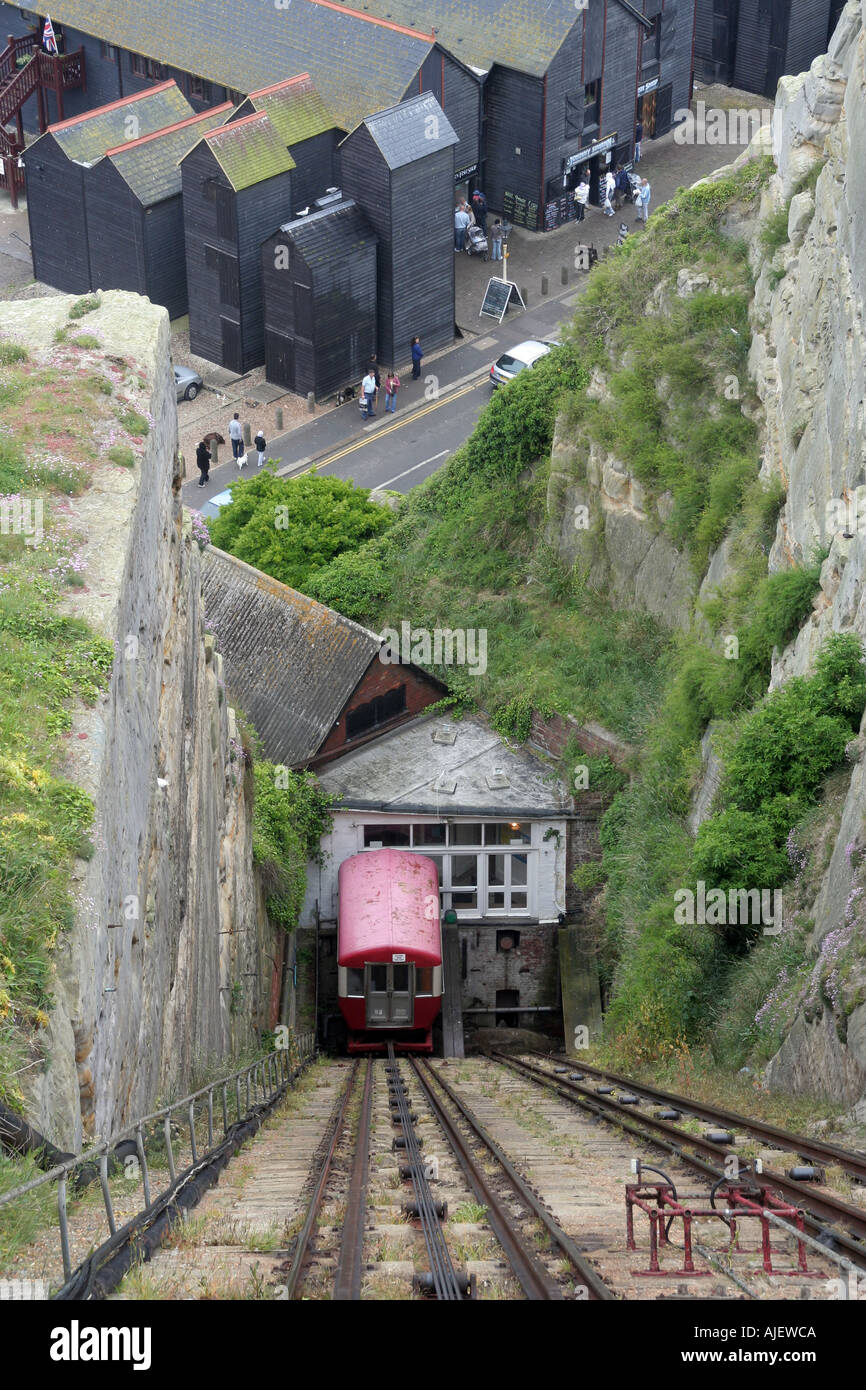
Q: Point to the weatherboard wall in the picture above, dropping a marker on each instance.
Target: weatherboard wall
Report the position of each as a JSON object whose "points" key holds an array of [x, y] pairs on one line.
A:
{"points": [[58, 219], [115, 232], [514, 107]]}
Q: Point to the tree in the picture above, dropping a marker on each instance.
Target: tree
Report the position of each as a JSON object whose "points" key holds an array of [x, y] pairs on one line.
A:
{"points": [[292, 527]]}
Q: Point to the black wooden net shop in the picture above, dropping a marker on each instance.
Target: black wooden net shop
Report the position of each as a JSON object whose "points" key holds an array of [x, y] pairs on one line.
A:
{"points": [[307, 129], [398, 166], [319, 288], [752, 43]]}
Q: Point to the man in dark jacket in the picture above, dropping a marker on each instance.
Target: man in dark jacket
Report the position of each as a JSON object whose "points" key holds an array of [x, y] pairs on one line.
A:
{"points": [[417, 354], [479, 207], [202, 462], [623, 188]]}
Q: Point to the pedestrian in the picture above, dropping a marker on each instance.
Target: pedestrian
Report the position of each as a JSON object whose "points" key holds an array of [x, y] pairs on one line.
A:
{"points": [[368, 392], [609, 188], [261, 447], [496, 240], [479, 207], [236, 435], [392, 386], [638, 137], [581, 196], [374, 368], [202, 462], [643, 206], [461, 222], [417, 354]]}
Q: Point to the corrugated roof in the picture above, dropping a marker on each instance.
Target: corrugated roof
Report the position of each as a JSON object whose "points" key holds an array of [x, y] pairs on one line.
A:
{"points": [[296, 110], [522, 34], [290, 663], [86, 138], [151, 165], [410, 131], [358, 62], [249, 151], [333, 233]]}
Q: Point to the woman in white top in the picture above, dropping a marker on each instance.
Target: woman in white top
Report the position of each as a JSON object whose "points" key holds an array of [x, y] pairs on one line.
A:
{"points": [[609, 188]]}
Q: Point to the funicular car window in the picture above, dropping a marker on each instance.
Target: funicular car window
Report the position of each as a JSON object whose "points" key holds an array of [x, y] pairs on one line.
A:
{"points": [[424, 979], [355, 983], [401, 978], [378, 978]]}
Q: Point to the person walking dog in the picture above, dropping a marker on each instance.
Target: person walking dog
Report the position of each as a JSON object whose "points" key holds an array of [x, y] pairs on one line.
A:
{"points": [[417, 354], [261, 446], [236, 435], [202, 462], [392, 386]]}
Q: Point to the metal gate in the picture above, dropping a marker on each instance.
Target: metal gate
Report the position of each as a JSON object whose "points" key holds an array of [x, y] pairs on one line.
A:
{"points": [[390, 995]]}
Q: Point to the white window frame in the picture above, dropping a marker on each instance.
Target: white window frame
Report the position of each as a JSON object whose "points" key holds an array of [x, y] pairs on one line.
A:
{"points": [[482, 854]]}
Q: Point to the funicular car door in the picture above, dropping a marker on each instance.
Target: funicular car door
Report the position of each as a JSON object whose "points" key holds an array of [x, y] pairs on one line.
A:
{"points": [[390, 991]]}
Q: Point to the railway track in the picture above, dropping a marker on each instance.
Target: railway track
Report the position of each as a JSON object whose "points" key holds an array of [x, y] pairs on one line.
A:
{"points": [[826, 1215]]}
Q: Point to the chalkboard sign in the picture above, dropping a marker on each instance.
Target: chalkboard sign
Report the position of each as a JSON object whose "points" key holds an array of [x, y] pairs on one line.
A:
{"points": [[497, 298]]}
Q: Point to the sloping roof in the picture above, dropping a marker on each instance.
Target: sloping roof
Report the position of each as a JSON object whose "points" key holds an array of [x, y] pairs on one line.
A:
{"points": [[415, 128], [86, 138], [330, 234], [522, 34], [296, 110], [290, 663], [151, 165], [249, 151], [358, 62], [433, 764]]}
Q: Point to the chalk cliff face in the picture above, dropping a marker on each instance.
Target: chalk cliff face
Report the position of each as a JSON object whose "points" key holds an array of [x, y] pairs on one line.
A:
{"points": [[170, 959]]}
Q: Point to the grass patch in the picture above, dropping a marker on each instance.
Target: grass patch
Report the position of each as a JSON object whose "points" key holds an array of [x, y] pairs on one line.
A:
{"points": [[122, 455], [134, 423], [12, 352], [83, 306], [85, 340]]}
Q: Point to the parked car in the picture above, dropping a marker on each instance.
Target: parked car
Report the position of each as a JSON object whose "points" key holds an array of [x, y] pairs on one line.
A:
{"points": [[187, 382], [211, 508], [506, 367]]}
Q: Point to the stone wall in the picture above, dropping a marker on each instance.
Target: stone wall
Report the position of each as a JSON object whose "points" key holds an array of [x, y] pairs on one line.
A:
{"points": [[170, 960]]}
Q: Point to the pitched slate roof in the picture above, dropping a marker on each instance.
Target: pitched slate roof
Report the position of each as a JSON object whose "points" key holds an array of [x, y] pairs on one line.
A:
{"points": [[411, 130], [333, 233], [290, 663], [358, 62], [249, 151], [521, 34], [151, 165], [296, 110], [86, 138]]}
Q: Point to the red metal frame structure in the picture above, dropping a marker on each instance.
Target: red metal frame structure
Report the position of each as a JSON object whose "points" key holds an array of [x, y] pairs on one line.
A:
{"points": [[41, 72], [739, 1202]]}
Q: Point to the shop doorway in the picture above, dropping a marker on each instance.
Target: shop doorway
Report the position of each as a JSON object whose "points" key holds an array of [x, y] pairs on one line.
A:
{"points": [[646, 112]]}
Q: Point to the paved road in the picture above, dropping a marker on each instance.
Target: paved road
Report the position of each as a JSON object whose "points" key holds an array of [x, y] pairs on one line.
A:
{"points": [[432, 420]]}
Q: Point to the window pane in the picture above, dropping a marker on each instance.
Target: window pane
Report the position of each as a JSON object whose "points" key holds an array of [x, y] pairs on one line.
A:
{"points": [[518, 868], [379, 978], [508, 833], [495, 869], [355, 982], [393, 836], [465, 834], [424, 979], [518, 900], [496, 900], [429, 834], [464, 870], [401, 977], [464, 899]]}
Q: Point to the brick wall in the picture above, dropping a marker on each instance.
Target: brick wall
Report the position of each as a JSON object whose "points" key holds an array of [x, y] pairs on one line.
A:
{"points": [[378, 679], [553, 735], [532, 969]]}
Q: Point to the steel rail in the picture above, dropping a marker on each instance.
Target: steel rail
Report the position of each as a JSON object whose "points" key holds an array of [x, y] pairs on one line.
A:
{"points": [[816, 1149], [595, 1285], [347, 1286], [817, 1208], [303, 1241], [445, 1281]]}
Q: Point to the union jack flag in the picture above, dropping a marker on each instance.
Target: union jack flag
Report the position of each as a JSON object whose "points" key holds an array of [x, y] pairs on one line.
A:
{"points": [[49, 42]]}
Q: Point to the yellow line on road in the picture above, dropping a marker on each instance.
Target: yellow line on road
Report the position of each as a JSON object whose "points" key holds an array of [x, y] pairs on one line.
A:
{"points": [[375, 435]]}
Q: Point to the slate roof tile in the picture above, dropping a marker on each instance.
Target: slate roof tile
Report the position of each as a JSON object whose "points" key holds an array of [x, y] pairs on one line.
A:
{"points": [[332, 234], [151, 166], [415, 128], [249, 151], [296, 110], [357, 64], [86, 138], [290, 663]]}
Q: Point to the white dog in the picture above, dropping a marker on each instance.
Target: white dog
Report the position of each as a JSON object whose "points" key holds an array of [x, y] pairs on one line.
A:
{"points": [[243, 461]]}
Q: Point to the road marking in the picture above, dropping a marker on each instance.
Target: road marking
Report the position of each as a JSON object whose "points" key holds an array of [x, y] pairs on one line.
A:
{"points": [[407, 471], [372, 435]]}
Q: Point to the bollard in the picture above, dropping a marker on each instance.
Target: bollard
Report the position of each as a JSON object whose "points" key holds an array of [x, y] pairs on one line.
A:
{"points": [[523, 295], [215, 450], [564, 274], [279, 417], [311, 401], [248, 434], [545, 286]]}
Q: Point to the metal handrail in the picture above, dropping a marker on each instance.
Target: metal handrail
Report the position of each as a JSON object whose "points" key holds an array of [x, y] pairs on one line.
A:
{"points": [[277, 1065]]}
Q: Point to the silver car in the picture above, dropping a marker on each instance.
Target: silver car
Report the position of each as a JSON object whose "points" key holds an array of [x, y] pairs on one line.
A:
{"points": [[187, 383], [506, 367]]}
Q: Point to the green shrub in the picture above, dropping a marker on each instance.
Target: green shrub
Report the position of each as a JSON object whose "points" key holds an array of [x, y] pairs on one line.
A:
{"points": [[134, 423], [11, 353], [290, 815], [84, 306], [774, 232], [122, 455], [85, 340]]}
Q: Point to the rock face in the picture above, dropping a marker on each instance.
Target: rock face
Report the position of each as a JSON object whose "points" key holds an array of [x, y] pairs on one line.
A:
{"points": [[171, 959]]}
